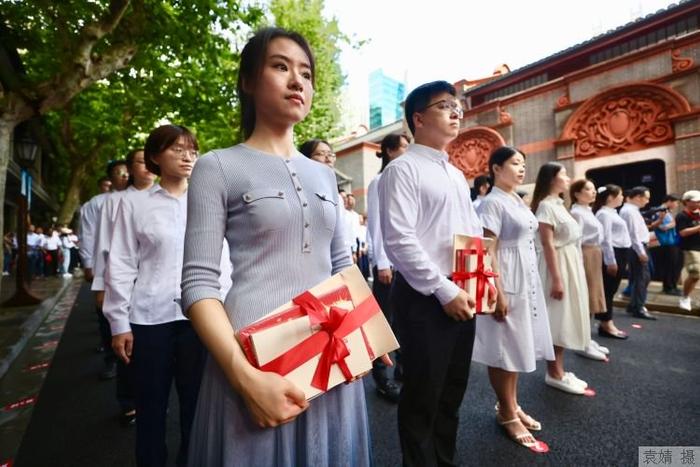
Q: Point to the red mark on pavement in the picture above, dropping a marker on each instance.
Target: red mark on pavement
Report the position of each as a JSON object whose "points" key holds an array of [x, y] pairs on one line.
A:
{"points": [[20, 403], [637, 326], [540, 447], [46, 345], [38, 366], [589, 392]]}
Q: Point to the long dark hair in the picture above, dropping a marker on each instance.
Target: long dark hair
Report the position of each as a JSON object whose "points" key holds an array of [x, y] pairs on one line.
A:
{"points": [[604, 193], [161, 139], [390, 142], [307, 148], [499, 157], [543, 184], [252, 60], [130, 164]]}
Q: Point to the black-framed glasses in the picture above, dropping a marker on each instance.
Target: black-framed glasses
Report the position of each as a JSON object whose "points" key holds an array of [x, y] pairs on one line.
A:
{"points": [[447, 105]]}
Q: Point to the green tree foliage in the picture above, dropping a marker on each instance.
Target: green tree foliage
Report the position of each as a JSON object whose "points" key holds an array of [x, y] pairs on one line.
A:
{"points": [[324, 36]]}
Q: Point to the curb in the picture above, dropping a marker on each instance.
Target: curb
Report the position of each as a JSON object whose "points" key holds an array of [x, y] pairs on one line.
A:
{"points": [[622, 303], [31, 325]]}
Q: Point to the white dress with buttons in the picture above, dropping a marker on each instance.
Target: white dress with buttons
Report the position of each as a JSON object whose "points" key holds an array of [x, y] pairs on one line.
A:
{"points": [[569, 318], [524, 337]]}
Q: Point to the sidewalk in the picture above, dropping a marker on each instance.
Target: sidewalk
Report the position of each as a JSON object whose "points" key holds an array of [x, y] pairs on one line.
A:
{"points": [[657, 301], [29, 337]]}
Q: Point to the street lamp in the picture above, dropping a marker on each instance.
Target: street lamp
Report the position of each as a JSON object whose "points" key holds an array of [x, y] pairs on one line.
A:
{"points": [[26, 150]]}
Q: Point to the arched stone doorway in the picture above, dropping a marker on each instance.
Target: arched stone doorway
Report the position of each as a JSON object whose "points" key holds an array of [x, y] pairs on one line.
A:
{"points": [[470, 151]]}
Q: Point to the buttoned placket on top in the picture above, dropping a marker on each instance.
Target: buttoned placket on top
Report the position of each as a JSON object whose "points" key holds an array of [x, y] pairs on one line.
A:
{"points": [[304, 201]]}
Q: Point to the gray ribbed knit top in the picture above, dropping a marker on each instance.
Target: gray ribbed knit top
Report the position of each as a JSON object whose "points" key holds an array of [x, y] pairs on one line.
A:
{"points": [[279, 218]]}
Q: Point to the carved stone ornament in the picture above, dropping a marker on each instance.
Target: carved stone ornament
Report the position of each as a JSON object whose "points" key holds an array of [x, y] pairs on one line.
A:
{"points": [[625, 118], [470, 151], [563, 101], [679, 63]]}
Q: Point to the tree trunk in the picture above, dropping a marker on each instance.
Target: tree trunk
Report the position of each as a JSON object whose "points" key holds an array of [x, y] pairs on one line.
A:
{"points": [[6, 128], [72, 200]]}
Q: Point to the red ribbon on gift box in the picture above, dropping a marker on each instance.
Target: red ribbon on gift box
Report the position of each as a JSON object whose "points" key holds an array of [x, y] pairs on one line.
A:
{"points": [[481, 274], [335, 325]]}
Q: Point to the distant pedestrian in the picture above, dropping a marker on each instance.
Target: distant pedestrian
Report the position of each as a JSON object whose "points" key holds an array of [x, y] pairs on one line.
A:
{"points": [[616, 251], [640, 274], [670, 257], [482, 186], [688, 225]]}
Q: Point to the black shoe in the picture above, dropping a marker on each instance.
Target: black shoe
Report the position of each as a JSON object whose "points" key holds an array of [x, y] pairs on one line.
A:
{"points": [[603, 333], [109, 372], [389, 391], [398, 372], [128, 418], [644, 315], [674, 292]]}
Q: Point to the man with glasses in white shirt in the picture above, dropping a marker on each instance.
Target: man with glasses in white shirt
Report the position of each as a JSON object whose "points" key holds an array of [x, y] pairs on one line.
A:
{"points": [[640, 274], [424, 201]]}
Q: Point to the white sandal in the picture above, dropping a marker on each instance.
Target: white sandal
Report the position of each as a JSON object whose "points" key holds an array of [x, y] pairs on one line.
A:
{"points": [[531, 424]]}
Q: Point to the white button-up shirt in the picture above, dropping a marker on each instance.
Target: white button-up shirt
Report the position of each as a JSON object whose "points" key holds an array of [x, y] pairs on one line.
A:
{"points": [[639, 233], [103, 235], [378, 255], [144, 268], [424, 202], [615, 233], [592, 228], [89, 217], [33, 240], [53, 242]]}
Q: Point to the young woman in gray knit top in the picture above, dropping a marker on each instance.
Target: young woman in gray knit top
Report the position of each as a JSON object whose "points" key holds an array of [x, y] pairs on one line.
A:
{"points": [[278, 210]]}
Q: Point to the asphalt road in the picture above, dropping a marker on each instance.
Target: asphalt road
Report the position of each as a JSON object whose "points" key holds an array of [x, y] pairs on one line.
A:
{"points": [[647, 395]]}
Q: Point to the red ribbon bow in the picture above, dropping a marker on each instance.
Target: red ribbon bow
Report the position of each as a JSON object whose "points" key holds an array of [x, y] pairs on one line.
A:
{"points": [[335, 326], [481, 274], [335, 349]]}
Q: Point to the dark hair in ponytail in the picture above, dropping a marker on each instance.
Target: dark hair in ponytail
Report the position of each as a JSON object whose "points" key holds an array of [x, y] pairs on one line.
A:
{"points": [[604, 193], [390, 143], [543, 183]]}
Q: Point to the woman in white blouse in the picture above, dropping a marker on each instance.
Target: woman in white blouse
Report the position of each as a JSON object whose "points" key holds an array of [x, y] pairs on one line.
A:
{"points": [[615, 245], [142, 290], [582, 193], [562, 274]]}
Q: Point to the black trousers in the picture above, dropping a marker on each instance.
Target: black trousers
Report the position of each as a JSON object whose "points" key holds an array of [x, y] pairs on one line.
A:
{"points": [[126, 387], [163, 353], [381, 294], [436, 353], [105, 336], [640, 276], [670, 264], [611, 284]]}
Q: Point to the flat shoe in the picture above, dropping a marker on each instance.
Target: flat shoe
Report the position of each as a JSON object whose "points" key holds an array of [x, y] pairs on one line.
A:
{"points": [[566, 384], [520, 437], [619, 335]]}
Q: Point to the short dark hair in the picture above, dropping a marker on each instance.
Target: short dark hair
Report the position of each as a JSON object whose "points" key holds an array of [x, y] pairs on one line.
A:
{"points": [[671, 197], [637, 191], [390, 142], [101, 180], [111, 165], [307, 148], [161, 139], [251, 64], [420, 97]]}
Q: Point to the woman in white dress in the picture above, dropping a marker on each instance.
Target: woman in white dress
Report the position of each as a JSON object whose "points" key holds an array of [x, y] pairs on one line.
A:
{"points": [[517, 335], [562, 274], [582, 194]]}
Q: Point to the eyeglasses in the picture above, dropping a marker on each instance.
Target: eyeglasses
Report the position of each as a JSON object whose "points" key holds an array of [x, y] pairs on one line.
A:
{"points": [[327, 155], [447, 105], [181, 152]]}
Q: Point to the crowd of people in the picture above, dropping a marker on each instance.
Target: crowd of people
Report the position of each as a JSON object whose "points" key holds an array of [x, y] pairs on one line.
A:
{"points": [[54, 253], [178, 265]]}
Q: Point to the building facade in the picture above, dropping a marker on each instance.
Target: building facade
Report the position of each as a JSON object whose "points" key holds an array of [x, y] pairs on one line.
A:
{"points": [[622, 107], [385, 97]]}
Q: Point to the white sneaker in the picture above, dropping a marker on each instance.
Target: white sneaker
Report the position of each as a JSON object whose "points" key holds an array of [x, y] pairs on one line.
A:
{"points": [[685, 304], [600, 348], [592, 352], [566, 384], [5, 273], [67, 275], [577, 380]]}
